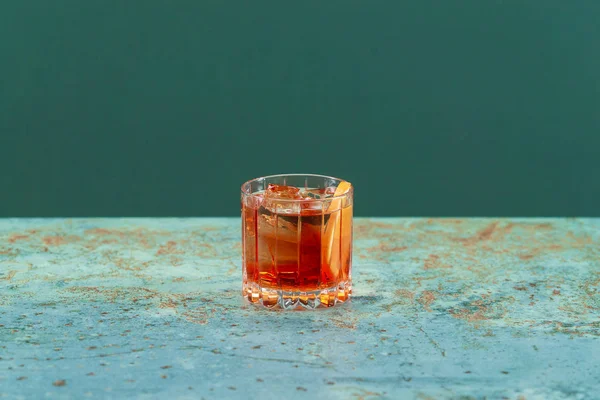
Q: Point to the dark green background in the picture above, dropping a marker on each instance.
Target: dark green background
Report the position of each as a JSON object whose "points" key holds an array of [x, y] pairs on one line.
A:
{"points": [[435, 108]]}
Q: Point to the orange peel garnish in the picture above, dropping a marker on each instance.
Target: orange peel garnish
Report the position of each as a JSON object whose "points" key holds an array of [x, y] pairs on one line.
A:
{"points": [[342, 188], [334, 222]]}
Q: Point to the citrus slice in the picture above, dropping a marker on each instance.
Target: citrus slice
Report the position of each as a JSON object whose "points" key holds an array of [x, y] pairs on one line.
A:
{"points": [[342, 188], [333, 227]]}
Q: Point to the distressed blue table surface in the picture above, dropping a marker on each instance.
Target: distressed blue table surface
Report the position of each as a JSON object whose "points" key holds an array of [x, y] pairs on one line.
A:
{"points": [[151, 308]]}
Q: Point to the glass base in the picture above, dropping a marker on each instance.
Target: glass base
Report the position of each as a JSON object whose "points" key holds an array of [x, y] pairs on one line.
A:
{"points": [[290, 300]]}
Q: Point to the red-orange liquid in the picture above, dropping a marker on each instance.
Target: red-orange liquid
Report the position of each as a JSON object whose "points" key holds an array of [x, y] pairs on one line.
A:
{"points": [[304, 251]]}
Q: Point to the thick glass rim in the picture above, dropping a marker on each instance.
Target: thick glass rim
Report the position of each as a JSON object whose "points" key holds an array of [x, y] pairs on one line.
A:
{"points": [[247, 184]]}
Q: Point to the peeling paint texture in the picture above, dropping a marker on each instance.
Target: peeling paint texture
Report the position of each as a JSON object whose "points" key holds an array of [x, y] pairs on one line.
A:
{"points": [[442, 308]]}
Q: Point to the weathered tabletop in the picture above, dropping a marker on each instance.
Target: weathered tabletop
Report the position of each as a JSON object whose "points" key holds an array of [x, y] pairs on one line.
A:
{"points": [[150, 308]]}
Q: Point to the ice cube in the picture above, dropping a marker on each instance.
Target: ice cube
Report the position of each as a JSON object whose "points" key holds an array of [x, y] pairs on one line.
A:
{"points": [[283, 192], [307, 206], [310, 200], [276, 197], [320, 193]]}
